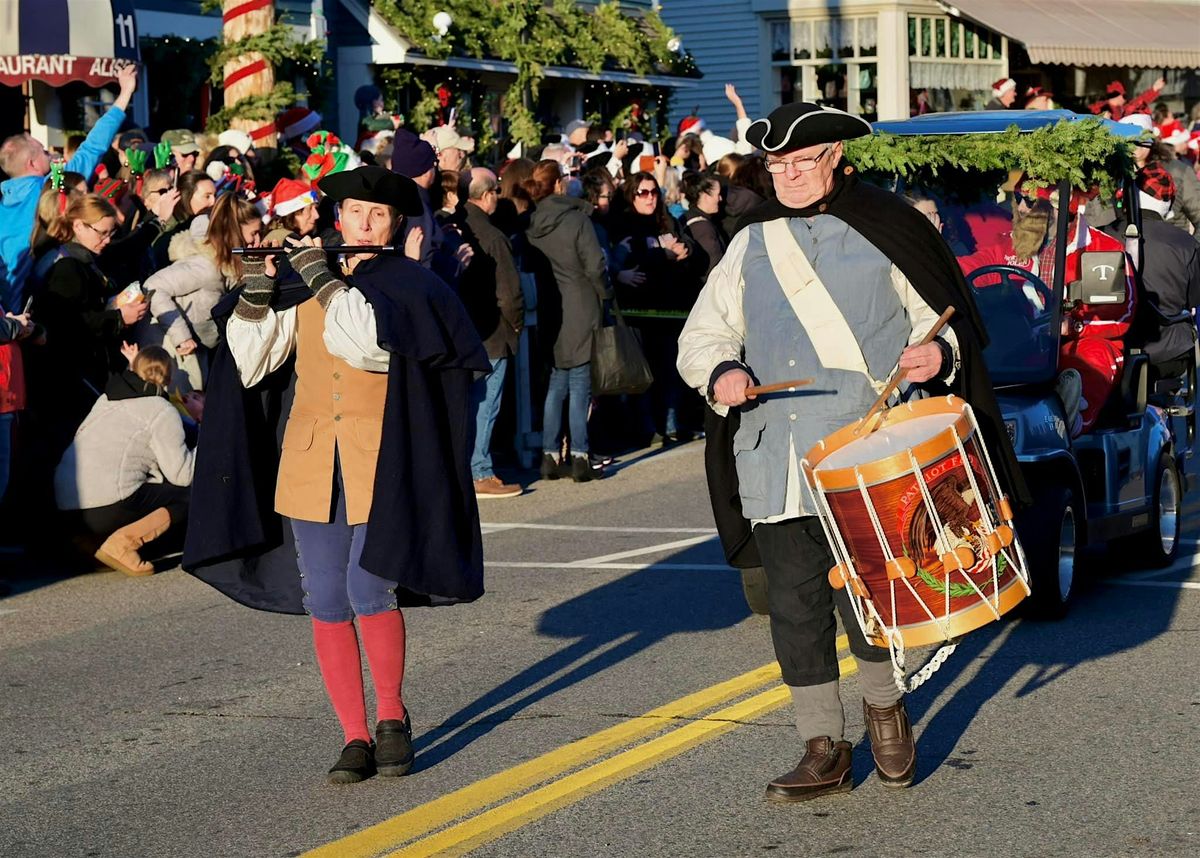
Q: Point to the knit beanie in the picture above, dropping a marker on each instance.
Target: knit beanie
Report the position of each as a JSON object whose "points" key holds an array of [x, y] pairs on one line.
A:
{"points": [[411, 156]]}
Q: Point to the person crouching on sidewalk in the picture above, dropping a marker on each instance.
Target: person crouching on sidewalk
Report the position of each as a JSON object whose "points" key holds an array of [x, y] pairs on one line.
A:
{"points": [[131, 434]]}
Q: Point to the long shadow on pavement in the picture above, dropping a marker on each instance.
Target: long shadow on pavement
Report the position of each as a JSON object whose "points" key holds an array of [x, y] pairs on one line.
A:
{"points": [[1101, 623], [609, 624]]}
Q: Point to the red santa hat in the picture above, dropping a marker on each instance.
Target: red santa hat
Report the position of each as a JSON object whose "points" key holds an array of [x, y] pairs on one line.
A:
{"points": [[291, 195], [1172, 132], [1002, 86], [1114, 89], [296, 122], [691, 125]]}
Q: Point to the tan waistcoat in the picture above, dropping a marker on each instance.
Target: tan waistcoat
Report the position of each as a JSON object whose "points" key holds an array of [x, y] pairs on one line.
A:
{"points": [[336, 407]]}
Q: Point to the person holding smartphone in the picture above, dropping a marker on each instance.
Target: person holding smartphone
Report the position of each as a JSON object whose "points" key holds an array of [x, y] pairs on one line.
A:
{"points": [[657, 272]]}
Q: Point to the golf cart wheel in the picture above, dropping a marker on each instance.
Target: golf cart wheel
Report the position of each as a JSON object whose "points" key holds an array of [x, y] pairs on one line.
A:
{"points": [[1053, 522], [1158, 545], [754, 586]]}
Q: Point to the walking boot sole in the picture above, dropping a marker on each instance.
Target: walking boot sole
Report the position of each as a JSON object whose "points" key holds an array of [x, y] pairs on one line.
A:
{"points": [[112, 563], [901, 782], [343, 777], [777, 795], [396, 771]]}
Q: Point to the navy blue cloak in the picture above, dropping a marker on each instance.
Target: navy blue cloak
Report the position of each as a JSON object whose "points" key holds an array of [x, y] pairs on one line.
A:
{"points": [[423, 529]]}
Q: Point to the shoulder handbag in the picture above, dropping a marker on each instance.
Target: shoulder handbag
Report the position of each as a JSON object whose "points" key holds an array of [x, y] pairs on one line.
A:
{"points": [[618, 362]]}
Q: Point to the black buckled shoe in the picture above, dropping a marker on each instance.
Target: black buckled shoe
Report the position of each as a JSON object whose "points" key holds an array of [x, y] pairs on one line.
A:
{"points": [[355, 764], [393, 747]]}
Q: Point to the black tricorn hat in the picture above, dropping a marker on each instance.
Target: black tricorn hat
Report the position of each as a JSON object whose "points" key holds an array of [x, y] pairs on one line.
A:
{"points": [[374, 185], [802, 124]]}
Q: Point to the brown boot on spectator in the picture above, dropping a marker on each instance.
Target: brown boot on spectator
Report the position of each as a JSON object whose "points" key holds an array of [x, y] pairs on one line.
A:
{"points": [[825, 768], [120, 550], [892, 743]]}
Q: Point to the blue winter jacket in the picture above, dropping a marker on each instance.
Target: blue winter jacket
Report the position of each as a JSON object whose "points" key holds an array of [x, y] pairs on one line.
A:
{"points": [[19, 208]]}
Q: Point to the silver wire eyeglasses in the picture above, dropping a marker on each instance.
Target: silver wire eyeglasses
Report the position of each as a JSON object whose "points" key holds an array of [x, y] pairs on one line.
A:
{"points": [[802, 165]]}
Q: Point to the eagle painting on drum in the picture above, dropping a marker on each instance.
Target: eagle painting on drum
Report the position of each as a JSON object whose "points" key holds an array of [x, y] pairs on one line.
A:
{"points": [[933, 557]]}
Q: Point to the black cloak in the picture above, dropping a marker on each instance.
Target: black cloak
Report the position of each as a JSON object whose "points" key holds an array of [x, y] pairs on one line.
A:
{"points": [[423, 530], [913, 244]]}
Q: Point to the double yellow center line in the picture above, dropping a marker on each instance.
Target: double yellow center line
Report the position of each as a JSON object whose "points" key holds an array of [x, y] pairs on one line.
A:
{"points": [[505, 801]]}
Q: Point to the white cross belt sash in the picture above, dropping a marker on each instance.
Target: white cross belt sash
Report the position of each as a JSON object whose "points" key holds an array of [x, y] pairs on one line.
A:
{"points": [[827, 329]]}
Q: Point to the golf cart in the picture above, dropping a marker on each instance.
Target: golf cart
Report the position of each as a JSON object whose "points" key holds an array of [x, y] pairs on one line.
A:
{"points": [[1124, 479]]}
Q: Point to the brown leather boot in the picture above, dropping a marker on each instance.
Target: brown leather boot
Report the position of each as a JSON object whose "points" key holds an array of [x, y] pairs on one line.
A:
{"points": [[892, 743], [824, 769], [120, 550]]}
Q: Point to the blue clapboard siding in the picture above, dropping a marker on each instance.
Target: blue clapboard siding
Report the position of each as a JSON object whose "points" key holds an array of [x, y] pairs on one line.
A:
{"points": [[723, 37]]}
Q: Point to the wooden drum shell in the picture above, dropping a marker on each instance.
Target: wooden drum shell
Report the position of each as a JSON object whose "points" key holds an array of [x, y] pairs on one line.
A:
{"points": [[900, 507]]}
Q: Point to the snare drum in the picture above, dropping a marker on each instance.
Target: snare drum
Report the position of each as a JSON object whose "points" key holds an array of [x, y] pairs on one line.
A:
{"points": [[921, 535]]}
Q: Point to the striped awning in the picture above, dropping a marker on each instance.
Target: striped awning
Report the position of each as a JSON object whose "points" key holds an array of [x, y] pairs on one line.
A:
{"points": [[57, 41], [1153, 34]]}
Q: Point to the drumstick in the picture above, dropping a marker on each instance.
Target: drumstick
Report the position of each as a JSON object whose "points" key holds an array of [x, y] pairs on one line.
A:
{"points": [[757, 390], [901, 374]]}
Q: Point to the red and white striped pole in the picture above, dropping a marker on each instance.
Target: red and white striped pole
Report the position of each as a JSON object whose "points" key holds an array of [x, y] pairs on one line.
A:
{"points": [[249, 74]]}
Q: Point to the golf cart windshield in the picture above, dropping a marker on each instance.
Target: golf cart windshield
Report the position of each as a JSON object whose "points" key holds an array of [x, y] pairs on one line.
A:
{"points": [[1007, 247]]}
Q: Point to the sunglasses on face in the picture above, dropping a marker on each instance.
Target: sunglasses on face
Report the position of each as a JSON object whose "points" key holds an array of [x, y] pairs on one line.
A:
{"points": [[646, 192]]}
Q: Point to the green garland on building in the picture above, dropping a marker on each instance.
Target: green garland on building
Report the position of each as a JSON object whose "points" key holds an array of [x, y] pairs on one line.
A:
{"points": [[1085, 153], [534, 34], [278, 45], [289, 56]]}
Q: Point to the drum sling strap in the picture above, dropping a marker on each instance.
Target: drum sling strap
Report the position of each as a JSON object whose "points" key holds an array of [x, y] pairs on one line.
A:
{"points": [[826, 327]]}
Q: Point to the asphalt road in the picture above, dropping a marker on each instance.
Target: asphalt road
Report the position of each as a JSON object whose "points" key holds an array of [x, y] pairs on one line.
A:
{"points": [[560, 715]]}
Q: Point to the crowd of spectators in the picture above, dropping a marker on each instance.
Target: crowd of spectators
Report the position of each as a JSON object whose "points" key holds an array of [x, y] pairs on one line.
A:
{"points": [[111, 266]]}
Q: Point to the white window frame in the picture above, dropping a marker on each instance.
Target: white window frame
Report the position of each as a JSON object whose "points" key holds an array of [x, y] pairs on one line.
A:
{"points": [[808, 76]]}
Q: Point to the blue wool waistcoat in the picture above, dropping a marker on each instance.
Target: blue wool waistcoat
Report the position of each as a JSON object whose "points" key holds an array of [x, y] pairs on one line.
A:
{"points": [[858, 277]]}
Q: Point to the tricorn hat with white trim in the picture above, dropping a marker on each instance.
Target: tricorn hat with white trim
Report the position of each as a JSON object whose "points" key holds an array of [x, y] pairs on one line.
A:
{"points": [[801, 124]]}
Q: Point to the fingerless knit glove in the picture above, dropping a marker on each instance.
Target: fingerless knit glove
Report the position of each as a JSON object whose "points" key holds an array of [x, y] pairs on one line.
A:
{"points": [[257, 289], [311, 264]]}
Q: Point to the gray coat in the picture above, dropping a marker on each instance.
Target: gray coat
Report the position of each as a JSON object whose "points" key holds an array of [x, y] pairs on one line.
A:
{"points": [[1187, 195], [1171, 274], [562, 230]]}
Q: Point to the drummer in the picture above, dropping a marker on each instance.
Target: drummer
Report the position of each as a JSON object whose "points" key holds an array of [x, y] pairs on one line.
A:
{"points": [[833, 280]]}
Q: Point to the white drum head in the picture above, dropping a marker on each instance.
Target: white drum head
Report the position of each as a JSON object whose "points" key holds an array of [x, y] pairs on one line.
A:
{"points": [[889, 440]]}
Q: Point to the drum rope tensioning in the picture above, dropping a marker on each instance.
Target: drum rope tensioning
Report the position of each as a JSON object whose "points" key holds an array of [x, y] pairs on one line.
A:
{"points": [[910, 503]]}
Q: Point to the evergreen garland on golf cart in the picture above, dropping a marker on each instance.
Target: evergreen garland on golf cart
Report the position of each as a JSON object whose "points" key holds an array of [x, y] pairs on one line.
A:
{"points": [[1085, 153]]}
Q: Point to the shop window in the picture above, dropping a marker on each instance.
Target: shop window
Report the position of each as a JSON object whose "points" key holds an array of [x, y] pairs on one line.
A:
{"points": [[802, 40], [831, 86], [824, 64], [781, 38], [868, 29]]}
